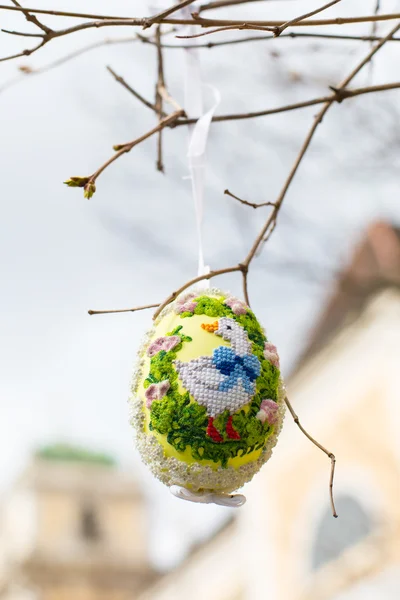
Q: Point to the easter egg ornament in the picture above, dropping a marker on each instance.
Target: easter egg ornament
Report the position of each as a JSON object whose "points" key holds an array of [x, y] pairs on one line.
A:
{"points": [[207, 401], [207, 397]]}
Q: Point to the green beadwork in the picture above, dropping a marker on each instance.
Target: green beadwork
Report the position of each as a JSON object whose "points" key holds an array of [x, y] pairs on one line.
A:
{"points": [[184, 422]]}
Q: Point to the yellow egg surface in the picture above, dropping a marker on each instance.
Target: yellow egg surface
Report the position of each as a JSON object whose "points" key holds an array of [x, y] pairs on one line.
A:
{"points": [[207, 396]]}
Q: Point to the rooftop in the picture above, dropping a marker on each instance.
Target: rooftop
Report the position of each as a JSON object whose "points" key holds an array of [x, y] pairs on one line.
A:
{"points": [[69, 453], [375, 265]]}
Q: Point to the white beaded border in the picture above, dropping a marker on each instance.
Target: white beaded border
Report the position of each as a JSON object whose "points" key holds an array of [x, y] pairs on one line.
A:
{"points": [[172, 471]]}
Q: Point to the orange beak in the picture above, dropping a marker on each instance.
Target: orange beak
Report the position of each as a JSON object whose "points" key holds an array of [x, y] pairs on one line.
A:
{"points": [[211, 327]]}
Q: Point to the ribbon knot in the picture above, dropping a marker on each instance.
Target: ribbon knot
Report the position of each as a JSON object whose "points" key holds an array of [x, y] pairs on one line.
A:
{"points": [[235, 367]]}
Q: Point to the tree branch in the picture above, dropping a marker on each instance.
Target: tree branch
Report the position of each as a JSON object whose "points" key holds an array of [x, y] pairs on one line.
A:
{"points": [[159, 99], [22, 33], [32, 18], [271, 221], [165, 13], [259, 38], [251, 204], [226, 28], [196, 20], [209, 275], [89, 183], [298, 20], [271, 23], [337, 96], [327, 452], [121, 310], [131, 90]]}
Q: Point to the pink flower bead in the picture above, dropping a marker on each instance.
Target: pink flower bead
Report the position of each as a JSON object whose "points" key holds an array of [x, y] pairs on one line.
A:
{"points": [[238, 307], [271, 354], [156, 391], [268, 412], [185, 303], [163, 343]]}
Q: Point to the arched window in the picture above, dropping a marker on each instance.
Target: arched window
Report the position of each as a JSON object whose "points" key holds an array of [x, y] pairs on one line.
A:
{"points": [[89, 524], [336, 535]]}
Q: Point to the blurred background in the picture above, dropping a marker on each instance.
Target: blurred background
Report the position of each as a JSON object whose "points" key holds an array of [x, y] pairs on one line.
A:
{"points": [[81, 517]]}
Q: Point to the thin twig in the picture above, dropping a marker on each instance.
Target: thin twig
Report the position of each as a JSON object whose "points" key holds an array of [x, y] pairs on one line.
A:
{"points": [[22, 33], [121, 310], [165, 13], [106, 21], [122, 81], [141, 21], [60, 13], [125, 148], [259, 38], [270, 23], [166, 96], [297, 20], [373, 33], [158, 98], [245, 271], [32, 18], [327, 452], [252, 204], [27, 52], [209, 275], [226, 28], [336, 96]]}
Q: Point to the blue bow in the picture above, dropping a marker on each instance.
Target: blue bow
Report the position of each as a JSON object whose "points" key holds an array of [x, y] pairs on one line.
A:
{"points": [[235, 367]]}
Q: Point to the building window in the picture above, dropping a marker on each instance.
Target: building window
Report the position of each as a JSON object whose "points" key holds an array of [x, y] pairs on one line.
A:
{"points": [[89, 524], [336, 535]]}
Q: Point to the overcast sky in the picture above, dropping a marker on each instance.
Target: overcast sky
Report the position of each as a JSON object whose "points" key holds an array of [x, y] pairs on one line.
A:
{"points": [[65, 376]]}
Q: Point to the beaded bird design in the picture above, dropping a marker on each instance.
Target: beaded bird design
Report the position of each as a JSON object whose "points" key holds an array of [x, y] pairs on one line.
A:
{"points": [[224, 381]]}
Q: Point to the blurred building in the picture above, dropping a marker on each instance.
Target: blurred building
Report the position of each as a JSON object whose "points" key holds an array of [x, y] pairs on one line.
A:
{"points": [[73, 528], [285, 544]]}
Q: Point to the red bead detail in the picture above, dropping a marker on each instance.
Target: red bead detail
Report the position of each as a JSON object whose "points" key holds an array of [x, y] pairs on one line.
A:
{"points": [[232, 433], [212, 432]]}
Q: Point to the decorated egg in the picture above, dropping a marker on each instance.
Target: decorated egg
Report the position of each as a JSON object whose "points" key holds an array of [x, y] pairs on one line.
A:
{"points": [[207, 397]]}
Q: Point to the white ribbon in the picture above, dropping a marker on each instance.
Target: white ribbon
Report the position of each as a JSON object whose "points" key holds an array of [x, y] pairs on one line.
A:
{"points": [[193, 103]]}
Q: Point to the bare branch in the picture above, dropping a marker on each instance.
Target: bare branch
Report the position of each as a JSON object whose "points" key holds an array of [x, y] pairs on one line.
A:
{"points": [[24, 52], [159, 99], [110, 21], [130, 89], [251, 204], [165, 95], [22, 33], [89, 183], [297, 20], [165, 13], [32, 18], [227, 28], [259, 38], [59, 13], [121, 310], [270, 23], [327, 452], [338, 96], [209, 275], [245, 271]]}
